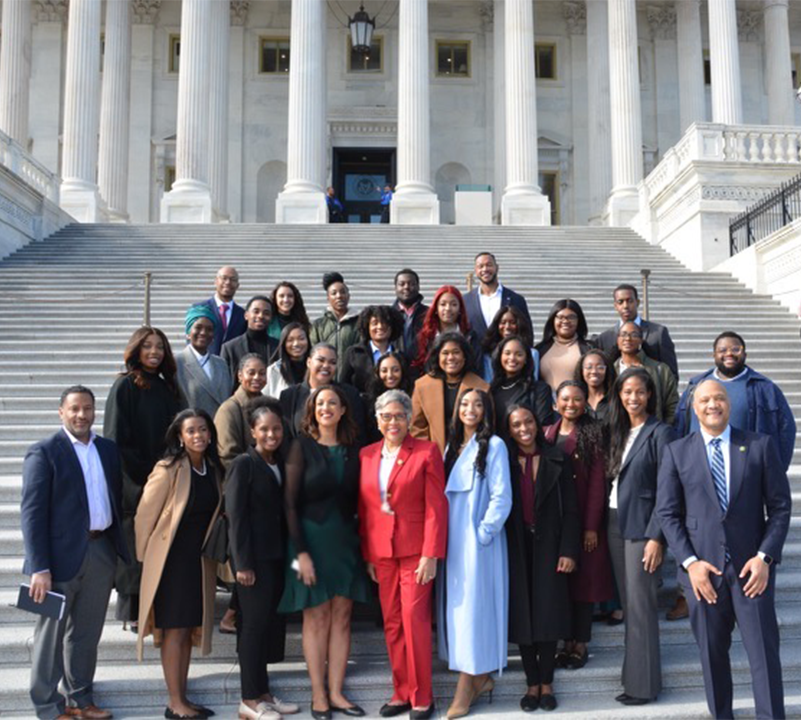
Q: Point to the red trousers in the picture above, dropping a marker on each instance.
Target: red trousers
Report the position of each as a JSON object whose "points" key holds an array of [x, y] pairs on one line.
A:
{"points": [[406, 607]]}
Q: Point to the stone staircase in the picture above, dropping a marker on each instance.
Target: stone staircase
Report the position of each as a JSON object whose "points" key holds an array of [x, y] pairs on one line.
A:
{"points": [[69, 304]]}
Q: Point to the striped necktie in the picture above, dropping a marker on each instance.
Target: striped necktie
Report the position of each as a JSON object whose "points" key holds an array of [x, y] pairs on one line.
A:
{"points": [[718, 468]]}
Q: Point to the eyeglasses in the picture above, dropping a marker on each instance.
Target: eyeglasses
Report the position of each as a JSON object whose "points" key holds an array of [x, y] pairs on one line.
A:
{"points": [[567, 318], [389, 417], [630, 335]]}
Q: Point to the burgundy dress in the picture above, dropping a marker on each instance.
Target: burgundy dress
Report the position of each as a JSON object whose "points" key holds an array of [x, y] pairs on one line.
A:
{"points": [[592, 581]]}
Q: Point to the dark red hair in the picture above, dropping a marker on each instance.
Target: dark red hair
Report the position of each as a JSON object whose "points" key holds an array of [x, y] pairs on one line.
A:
{"points": [[430, 326]]}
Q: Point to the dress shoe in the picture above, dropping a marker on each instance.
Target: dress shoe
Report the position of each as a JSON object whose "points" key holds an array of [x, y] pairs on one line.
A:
{"points": [[680, 610], [352, 711], [423, 714], [320, 714], [626, 699], [249, 713], [548, 702], [612, 620], [391, 710], [576, 661], [206, 711], [90, 712], [529, 703], [279, 706], [170, 714]]}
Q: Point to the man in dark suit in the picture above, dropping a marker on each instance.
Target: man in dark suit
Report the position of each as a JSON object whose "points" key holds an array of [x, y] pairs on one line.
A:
{"points": [[724, 503], [258, 314], [483, 302], [231, 321], [409, 302], [71, 495], [656, 341]]}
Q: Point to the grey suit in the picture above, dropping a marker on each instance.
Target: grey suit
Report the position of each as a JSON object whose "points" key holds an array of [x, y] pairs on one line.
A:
{"points": [[201, 391], [630, 527]]}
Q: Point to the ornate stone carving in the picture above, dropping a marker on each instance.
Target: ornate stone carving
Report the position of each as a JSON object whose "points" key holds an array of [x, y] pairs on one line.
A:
{"points": [[239, 11], [51, 10], [486, 12], [145, 12], [748, 25], [575, 15], [662, 20]]}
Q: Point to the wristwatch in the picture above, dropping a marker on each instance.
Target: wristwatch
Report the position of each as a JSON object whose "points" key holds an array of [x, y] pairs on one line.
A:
{"points": [[767, 559]]}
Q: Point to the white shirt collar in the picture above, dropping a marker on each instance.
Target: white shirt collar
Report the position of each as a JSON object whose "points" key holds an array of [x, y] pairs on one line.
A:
{"points": [[725, 436], [498, 292], [75, 441], [637, 321], [723, 378], [202, 359], [220, 301]]}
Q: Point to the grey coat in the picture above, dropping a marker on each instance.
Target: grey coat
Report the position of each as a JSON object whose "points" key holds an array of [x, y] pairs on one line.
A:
{"points": [[201, 391]]}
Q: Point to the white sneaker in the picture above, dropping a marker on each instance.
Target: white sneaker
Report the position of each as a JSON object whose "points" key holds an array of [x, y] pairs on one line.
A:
{"points": [[260, 713], [279, 706]]}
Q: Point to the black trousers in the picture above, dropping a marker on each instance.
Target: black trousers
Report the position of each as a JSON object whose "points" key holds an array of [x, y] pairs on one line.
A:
{"points": [[539, 662], [260, 630], [582, 621]]}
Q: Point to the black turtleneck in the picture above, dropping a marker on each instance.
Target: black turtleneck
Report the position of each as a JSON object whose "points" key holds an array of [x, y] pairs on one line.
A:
{"points": [[259, 342]]}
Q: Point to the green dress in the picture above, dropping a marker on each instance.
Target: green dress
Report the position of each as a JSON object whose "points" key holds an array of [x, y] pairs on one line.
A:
{"points": [[321, 498]]}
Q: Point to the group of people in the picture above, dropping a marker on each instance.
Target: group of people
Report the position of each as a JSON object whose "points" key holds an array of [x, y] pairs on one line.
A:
{"points": [[503, 486]]}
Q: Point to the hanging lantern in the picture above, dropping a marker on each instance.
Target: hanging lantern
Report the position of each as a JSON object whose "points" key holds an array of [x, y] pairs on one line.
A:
{"points": [[361, 31]]}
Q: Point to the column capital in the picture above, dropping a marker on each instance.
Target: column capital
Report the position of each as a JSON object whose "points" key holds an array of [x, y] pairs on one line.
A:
{"points": [[486, 12], [748, 25], [575, 15], [239, 12], [145, 12], [662, 21], [51, 10], [779, 3]]}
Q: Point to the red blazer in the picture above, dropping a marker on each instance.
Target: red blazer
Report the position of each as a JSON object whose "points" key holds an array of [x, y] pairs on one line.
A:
{"points": [[416, 493]]}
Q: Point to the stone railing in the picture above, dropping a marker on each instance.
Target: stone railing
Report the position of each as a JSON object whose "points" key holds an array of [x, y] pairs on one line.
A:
{"points": [[740, 144], [16, 158]]}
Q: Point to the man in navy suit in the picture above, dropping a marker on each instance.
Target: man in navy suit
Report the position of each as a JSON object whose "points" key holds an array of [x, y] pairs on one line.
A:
{"points": [[483, 302], [231, 321], [71, 494], [656, 341], [724, 503]]}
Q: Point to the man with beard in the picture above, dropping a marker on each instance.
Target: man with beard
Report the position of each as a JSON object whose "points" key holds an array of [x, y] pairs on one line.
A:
{"points": [[482, 303], [409, 302], [757, 403], [258, 314], [656, 341]]}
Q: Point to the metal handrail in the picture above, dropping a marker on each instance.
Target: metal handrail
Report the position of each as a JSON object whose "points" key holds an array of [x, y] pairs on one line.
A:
{"points": [[770, 214]]}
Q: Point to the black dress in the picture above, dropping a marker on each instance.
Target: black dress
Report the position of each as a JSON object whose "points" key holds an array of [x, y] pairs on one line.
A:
{"points": [[179, 599], [534, 393], [137, 420]]}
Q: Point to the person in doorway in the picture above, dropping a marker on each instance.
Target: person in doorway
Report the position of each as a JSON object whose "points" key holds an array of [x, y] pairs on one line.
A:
{"points": [[386, 201], [336, 211]]}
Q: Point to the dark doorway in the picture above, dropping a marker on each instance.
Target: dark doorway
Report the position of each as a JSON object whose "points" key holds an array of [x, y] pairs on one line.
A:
{"points": [[358, 173]]}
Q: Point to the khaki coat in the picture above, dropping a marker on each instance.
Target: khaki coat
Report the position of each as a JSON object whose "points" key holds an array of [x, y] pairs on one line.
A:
{"points": [[164, 500], [233, 431], [428, 407]]}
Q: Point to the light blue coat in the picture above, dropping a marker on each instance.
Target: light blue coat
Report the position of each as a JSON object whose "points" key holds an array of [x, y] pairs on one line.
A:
{"points": [[473, 582]]}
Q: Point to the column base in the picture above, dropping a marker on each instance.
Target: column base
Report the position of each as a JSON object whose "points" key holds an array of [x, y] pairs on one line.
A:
{"points": [[525, 209], [621, 208], [414, 208], [83, 202], [117, 216], [301, 208], [187, 202]]}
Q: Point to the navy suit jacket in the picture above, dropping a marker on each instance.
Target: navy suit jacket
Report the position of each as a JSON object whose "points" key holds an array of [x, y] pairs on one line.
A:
{"points": [[476, 317], [758, 514], [55, 509], [656, 344], [236, 326], [637, 482]]}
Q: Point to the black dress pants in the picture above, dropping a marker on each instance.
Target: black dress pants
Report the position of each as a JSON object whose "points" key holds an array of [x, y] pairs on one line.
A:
{"points": [[260, 630], [539, 662]]}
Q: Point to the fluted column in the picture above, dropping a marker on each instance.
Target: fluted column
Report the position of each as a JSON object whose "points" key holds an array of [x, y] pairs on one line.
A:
{"points": [[724, 55], [112, 169], [303, 200], [778, 75], [415, 201], [598, 117], [79, 193], [218, 110], [626, 113], [523, 202], [190, 197], [692, 99], [15, 69], [499, 98]]}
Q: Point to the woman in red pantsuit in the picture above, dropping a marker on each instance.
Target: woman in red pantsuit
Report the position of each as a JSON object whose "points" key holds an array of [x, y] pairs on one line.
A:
{"points": [[403, 516], [580, 438]]}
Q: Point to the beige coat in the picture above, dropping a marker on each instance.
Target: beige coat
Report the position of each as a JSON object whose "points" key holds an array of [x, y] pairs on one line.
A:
{"points": [[158, 516], [233, 431], [428, 407]]}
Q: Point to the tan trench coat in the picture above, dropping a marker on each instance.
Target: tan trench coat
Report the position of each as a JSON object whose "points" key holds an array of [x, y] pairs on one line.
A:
{"points": [[160, 510]]}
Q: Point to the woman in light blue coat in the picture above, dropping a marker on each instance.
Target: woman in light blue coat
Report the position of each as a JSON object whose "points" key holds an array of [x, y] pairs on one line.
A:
{"points": [[473, 590]]}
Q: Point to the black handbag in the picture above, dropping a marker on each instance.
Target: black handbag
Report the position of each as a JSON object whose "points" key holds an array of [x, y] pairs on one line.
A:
{"points": [[216, 545]]}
